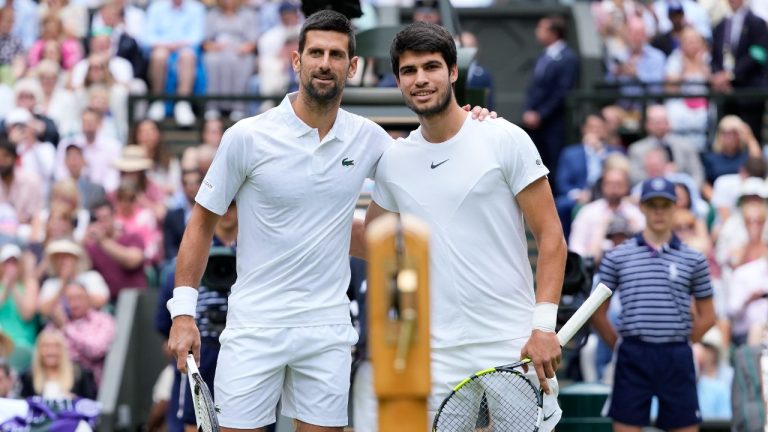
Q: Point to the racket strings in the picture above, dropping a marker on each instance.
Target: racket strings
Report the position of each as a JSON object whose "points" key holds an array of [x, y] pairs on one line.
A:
{"points": [[498, 401], [204, 408]]}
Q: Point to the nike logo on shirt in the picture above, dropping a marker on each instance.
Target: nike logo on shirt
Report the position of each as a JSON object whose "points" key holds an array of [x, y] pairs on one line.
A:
{"points": [[434, 165]]}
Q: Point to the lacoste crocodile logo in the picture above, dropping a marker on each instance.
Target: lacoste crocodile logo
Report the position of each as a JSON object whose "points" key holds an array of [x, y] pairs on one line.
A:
{"points": [[347, 162]]}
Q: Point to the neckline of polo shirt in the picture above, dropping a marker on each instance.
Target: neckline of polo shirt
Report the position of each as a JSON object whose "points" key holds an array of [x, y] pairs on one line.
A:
{"points": [[299, 127], [674, 242], [302, 128]]}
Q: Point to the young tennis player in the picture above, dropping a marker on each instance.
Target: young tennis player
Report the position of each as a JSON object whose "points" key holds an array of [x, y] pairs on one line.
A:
{"points": [[476, 184]]}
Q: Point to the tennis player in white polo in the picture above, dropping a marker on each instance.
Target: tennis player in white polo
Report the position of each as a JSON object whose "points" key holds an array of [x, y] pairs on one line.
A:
{"points": [[296, 172], [474, 184]]}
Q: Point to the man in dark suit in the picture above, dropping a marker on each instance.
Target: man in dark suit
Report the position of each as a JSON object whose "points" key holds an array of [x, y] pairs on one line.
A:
{"points": [[669, 41], [176, 219], [739, 55], [554, 75], [579, 168], [478, 77]]}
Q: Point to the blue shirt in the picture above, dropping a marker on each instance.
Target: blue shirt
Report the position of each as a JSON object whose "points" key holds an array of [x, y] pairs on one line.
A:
{"points": [[649, 69], [25, 21], [655, 288], [717, 164], [167, 24]]}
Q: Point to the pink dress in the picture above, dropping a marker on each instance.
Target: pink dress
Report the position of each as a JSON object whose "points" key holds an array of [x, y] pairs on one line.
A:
{"points": [[142, 222], [71, 53]]}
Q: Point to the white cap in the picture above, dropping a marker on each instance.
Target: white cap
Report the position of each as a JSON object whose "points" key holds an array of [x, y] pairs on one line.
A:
{"points": [[10, 250], [17, 116], [64, 246]]}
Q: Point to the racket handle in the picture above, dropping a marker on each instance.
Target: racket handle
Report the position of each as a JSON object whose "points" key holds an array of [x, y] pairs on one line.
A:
{"points": [[583, 313]]}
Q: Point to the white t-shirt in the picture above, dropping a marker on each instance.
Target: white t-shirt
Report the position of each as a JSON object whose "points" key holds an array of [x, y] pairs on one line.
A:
{"points": [[726, 191], [464, 188], [93, 282], [121, 69], [296, 196], [748, 279]]}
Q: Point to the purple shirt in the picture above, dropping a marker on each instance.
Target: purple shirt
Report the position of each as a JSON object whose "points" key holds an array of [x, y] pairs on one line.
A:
{"points": [[117, 276]]}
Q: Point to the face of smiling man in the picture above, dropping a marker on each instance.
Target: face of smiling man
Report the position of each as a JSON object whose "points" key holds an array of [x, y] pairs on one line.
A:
{"points": [[324, 65], [426, 82]]}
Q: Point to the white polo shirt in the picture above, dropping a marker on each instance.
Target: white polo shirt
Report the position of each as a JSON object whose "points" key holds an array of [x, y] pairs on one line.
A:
{"points": [[481, 281], [295, 199]]}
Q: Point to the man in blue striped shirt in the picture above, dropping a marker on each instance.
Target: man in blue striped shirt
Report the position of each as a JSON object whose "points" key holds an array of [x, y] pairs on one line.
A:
{"points": [[657, 278]]}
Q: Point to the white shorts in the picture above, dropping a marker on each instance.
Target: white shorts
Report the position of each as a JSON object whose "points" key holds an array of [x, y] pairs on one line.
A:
{"points": [[451, 365], [308, 367]]}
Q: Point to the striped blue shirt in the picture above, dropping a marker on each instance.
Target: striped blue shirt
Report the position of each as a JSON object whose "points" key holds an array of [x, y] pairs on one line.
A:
{"points": [[655, 288]]}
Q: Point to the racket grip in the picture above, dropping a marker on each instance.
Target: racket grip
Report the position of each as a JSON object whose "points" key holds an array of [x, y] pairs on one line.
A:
{"points": [[583, 313]]}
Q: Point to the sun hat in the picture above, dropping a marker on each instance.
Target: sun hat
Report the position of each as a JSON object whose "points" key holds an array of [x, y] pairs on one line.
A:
{"points": [[134, 159]]}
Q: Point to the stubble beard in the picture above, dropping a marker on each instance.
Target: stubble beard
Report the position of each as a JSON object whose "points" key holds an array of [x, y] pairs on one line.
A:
{"points": [[323, 97], [438, 108]]}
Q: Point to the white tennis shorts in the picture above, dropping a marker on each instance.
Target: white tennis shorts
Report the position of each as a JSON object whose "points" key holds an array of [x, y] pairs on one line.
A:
{"points": [[451, 365], [308, 367]]}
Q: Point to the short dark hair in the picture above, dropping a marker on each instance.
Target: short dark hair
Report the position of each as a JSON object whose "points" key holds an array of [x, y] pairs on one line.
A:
{"points": [[7, 145], [756, 167], [423, 38], [328, 20], [557, 25], [596, 114], [100, 204]]}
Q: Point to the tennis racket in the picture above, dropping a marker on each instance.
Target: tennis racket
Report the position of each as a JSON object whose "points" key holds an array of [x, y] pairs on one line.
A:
{"points": [[205, 410], [502, 398]]}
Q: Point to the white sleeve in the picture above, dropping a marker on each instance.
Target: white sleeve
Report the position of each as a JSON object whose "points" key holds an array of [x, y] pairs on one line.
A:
{"points": [[674, 64], [378, 143], [520, 159], [720, 193], [95, 284], [229, 170], [49, 289], [79, 71], [739, 289], [382, 194]]}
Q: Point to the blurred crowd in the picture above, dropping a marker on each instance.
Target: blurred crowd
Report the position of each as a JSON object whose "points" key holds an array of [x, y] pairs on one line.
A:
{"points": [[93, 202], [713, 152]]}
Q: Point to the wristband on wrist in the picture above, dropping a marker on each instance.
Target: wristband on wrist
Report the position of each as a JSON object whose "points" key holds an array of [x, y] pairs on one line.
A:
{"points": [[184, 302], [545, 317]]}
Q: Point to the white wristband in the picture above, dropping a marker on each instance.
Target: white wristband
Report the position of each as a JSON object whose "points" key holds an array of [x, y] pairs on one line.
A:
{"points": [[184, 302], [545, 317]]}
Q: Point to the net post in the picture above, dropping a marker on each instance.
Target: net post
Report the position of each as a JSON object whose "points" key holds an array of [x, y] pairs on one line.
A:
{"points": [[398, 310]]}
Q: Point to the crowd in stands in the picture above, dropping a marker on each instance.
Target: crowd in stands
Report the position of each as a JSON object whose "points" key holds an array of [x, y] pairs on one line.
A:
{"points": [[713, 152], [92, 202], [82, 213]]}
